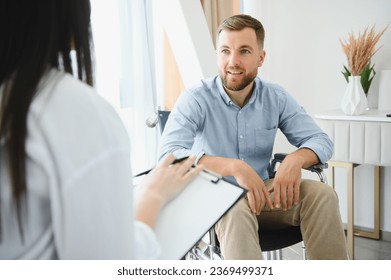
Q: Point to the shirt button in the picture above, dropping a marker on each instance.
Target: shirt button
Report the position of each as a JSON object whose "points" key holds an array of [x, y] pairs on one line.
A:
{"points": [[242, 159], [241, 136]]}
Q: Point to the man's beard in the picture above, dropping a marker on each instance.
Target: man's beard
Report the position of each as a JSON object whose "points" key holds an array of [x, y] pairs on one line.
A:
{"points": [[248, 79]]}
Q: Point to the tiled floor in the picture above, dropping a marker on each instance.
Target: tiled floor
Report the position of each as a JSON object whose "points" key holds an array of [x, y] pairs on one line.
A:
{"points": [[365, 249]]}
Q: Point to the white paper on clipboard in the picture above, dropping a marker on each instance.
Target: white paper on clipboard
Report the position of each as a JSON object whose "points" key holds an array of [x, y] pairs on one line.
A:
{"points": [[189, 216]]}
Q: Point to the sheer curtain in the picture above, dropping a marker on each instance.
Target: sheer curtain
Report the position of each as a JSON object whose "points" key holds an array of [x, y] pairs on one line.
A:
{"points": [[125, 74]]}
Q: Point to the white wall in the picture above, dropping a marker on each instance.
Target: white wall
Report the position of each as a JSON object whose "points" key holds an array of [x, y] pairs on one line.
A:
{"points": [[304, 55]]}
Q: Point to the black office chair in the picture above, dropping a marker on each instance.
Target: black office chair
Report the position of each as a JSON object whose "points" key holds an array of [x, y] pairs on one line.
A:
{"points": [[271, 241]]}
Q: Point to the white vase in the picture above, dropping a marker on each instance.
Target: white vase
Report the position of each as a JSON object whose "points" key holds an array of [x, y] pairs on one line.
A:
{"points": [[384, 90], [354, 101]]}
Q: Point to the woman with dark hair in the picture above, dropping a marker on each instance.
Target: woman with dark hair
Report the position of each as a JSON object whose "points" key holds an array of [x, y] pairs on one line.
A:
{"points": [[65, 177]]}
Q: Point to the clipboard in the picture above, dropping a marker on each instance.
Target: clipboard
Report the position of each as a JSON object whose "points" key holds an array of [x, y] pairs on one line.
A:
{"points": [[189, 216]]}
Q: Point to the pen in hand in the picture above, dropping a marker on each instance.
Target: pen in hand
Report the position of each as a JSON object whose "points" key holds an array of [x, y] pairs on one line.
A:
{"points": [[175, 161]]}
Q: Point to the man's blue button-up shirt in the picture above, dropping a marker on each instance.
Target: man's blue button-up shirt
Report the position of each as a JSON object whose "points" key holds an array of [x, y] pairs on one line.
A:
{"points": [[205, 120]]}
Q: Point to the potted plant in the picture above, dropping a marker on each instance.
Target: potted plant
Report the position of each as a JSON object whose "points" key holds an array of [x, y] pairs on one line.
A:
{"points": [[359, 72]]}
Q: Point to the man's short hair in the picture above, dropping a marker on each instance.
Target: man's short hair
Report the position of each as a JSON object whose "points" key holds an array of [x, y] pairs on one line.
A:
{"points": [[239, 22]]}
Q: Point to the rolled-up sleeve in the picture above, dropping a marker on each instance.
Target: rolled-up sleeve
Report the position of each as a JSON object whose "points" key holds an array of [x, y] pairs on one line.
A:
{"points": [[322, 146], [302, 131]]}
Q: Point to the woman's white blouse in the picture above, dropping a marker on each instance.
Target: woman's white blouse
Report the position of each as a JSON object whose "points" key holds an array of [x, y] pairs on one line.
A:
{"points": [[79, 193]]}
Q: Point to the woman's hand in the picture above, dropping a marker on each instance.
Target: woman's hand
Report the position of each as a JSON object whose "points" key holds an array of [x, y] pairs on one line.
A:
{"points": [[166, 180], [161, 185]]}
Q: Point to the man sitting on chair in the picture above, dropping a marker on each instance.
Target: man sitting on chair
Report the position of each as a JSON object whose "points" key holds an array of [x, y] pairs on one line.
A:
{"points": [[230, 121]]}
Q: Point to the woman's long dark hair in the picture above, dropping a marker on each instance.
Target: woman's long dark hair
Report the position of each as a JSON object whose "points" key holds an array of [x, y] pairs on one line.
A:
{"points": [[35, 36]]}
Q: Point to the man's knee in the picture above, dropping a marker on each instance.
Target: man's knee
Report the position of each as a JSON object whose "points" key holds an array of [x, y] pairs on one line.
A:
{"points": [[240, 208], [317, 191]]}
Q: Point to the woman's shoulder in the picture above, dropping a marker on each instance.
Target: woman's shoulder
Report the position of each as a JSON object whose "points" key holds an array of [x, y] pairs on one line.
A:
{"points": [[61, 93], [58, 89], [72, 106]]}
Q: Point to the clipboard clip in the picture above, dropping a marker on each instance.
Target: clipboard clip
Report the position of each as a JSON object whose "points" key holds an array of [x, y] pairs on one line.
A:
{"points": [[217, 176]]}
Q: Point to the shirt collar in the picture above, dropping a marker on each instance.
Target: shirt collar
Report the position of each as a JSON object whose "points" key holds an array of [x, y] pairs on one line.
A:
{"points": [[222, 92], [228, 100]]}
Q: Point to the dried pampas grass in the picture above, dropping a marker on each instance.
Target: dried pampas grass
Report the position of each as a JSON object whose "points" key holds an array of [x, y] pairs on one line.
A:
{"points": [[360, 50]]}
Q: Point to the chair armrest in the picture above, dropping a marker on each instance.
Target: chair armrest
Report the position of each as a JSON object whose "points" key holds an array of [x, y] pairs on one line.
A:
{"points": [[279, 157], [317, 167]]}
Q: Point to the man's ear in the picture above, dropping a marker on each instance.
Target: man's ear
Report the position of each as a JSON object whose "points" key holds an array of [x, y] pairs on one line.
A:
{"points": [[261, 58]]}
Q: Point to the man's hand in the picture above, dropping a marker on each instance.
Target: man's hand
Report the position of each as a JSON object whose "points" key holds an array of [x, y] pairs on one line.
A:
{"points": [[286, 184], [245, 176], [257, 194]]}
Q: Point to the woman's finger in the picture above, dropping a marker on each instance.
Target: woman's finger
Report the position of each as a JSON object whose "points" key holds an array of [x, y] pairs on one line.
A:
{"points": [[184, 167], [192, 173], [167, 161]]}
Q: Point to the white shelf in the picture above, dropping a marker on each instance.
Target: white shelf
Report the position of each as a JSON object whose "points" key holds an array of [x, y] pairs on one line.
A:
{"points": [[360, 139], [371, 115]]}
